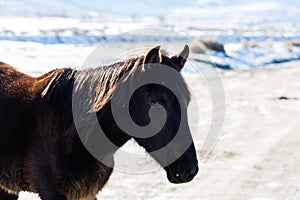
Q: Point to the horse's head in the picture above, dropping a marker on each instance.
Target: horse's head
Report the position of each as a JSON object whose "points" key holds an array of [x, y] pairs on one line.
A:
{"points": [[172, 147]]}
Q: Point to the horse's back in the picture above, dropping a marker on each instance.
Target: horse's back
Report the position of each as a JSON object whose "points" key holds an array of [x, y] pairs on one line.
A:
{"points": [[18, 86]]}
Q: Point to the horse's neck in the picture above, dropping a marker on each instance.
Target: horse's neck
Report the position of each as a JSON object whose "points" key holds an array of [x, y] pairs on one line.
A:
{"points": [[110, 128], [86, 118], [77, 138]]}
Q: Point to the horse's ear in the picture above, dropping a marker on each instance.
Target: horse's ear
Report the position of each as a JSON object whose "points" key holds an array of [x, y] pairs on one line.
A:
{"points": [[153, 56], [181, 58]]}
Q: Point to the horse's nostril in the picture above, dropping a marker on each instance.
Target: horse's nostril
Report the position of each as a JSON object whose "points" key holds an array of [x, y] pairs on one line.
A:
{"points": [[183, 176]]}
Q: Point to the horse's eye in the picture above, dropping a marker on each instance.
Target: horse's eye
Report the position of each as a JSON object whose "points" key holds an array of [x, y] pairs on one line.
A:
{"points": [[154, 103], [158, 102]]}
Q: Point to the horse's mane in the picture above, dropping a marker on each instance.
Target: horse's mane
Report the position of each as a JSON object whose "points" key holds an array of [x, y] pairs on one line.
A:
{"points": [[103, 78], [99, 83]]}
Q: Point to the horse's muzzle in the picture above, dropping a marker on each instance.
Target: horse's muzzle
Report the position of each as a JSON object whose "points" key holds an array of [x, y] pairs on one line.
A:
{"points": [[182, 172]]}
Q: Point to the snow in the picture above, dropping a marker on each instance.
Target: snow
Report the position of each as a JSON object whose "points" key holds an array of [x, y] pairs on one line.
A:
{"points": [[74, 22]]}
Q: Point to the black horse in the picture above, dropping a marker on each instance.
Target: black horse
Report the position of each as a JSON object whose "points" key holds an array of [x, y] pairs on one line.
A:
{"points": [[40, 148]]}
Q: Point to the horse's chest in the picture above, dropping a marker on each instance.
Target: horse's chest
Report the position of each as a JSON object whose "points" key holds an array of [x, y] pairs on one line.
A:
{"points": [[12, 179], [85, 184]]}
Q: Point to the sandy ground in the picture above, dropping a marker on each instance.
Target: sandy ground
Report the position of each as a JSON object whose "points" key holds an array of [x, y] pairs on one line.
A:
{"points": [[257, 156]]}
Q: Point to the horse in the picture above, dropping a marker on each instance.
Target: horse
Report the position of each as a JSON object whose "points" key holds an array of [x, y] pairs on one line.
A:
{"points": [[40, 148]]}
